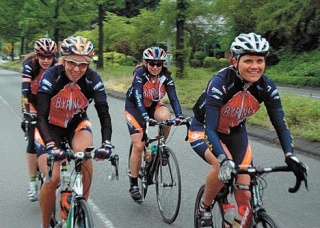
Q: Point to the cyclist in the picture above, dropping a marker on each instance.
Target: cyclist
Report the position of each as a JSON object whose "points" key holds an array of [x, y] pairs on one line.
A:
{"points": [[151, 81], [34, 66], [64, 94], [218, 133]]}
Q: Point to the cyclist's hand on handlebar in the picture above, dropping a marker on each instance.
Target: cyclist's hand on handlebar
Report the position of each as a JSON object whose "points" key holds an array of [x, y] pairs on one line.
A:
{"points": [[57, 153], [227, 170], [299, 169], [179, 119], [104, 152], [28, 119], [152, 122]]}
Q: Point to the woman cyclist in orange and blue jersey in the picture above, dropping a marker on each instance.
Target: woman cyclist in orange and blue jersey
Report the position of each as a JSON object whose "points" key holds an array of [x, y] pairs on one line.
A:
{"points": [[34, 66], [218, 133], [151, 82], [64, 94]]}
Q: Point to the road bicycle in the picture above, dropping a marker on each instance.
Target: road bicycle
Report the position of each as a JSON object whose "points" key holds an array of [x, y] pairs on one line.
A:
{"points": [[260, 218], [79, 214], [164, 173]]}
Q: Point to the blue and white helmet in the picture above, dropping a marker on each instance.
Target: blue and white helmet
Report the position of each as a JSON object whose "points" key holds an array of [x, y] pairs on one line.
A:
{"points": [[154, 53]]}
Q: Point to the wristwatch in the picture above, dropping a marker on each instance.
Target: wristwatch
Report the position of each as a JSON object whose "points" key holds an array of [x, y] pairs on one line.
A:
{"points": [[221, 158]]}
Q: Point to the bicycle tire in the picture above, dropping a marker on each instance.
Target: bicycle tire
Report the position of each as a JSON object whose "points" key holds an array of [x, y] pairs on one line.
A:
{"points": [[263, 220], [142, 185], [82, 217], [168, 187], [216, 211]]}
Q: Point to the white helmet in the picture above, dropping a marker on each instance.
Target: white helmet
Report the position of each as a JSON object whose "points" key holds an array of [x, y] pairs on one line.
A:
{"points": [[249, 43]]}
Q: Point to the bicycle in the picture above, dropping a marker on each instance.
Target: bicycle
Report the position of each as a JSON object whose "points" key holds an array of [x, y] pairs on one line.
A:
{"points": [[260, 218], [165, 175], [79, 214]]}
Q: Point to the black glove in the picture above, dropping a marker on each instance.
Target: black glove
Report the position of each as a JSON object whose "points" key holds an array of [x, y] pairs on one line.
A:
{"points": [[105, 151], [299, 169], [28, 120], [179, 119], [56, 152]]}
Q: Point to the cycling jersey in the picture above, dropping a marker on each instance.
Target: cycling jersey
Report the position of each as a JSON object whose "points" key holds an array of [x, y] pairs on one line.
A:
{"points": [[145, 93], [62, 101], [228, 101], [31, 77]]}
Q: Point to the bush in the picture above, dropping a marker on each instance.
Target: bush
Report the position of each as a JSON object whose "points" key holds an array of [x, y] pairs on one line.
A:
{"points": [[195, 63], [214, 63], [115, 58]]}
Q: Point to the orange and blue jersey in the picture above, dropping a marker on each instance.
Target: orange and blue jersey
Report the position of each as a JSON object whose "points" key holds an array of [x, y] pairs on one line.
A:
{"points": [[62, 101], [228, 101], [145, 93]]}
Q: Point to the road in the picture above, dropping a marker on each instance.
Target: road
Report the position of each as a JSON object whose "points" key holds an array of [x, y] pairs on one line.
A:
{"points": [[110, 201]]}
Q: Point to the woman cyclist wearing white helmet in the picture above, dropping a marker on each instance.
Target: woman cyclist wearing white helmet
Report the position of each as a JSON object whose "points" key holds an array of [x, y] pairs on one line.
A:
{"points": [[64, 93], [34, 66], [218, 133], [151, 82]]}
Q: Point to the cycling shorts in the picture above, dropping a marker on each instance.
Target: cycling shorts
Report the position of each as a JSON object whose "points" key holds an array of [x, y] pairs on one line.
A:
{"points": [[134, 118], [58, 133]]}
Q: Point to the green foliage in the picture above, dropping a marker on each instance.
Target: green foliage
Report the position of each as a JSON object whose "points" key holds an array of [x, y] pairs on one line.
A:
{"points": [[114, 58], [214, 63]]}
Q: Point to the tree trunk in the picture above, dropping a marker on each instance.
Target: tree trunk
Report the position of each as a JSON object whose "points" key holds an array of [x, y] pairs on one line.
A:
{"points": [[100, 45], [179, 53]]}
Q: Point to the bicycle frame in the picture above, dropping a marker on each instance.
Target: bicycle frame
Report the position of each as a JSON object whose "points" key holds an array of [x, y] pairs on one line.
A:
{"points": [[77, 185]]}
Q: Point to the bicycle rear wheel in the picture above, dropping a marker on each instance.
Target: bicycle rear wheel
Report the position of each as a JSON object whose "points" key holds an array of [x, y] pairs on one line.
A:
{"points": [[82, 217], [142, 179], [216, 211], [168, 187], [263, 220]]}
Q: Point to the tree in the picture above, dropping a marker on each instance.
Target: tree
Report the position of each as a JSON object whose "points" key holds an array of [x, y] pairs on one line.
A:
{"points": [[182, 6]]}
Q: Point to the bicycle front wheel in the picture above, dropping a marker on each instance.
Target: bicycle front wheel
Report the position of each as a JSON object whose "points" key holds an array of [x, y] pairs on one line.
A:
{"points": [[82, 217], [168, 187], [263, 220], [216, 211]]}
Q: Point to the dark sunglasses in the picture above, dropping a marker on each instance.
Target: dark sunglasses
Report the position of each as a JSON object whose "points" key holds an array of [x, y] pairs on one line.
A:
{"points": [[158, 64], [43, 57], [72, 64]]}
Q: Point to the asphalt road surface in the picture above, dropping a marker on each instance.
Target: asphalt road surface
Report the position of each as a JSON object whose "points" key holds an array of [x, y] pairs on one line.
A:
{"points": [[110, 201]]}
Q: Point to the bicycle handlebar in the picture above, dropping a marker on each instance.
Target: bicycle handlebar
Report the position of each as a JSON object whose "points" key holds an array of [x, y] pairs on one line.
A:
{"points": [[87, 154], [27, 123], [255, 171], [171, 122]]}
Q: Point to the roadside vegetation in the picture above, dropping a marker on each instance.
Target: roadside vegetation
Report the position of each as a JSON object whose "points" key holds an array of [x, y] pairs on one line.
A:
{"points": [[302, 113]]}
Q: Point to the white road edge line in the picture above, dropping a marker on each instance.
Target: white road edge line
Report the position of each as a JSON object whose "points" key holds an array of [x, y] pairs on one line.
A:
{"points": [[101, 216]]}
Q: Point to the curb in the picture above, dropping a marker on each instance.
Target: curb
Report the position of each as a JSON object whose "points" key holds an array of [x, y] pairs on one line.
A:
{"points": [[302, 145]]}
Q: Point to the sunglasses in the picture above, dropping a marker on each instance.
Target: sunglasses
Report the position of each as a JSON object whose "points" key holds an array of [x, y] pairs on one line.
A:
{"points": [[158, 64], [43, 57], [72, 64]]}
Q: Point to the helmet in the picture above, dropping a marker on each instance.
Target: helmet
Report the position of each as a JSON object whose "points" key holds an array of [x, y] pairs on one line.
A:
{"points": [[249, 43], [154, 53], [77, 45], [45, 46]]}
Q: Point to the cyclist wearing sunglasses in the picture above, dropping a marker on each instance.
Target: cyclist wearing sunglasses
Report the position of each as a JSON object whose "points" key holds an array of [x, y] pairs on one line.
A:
{"points": [[151, 82], [64, 94], [34, 65], [218, 132]]}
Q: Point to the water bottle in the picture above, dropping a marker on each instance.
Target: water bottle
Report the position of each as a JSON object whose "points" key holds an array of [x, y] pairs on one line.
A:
{"points": [[229, 212], [154, 149], [65, 180], [147, 156], [242, 217]]}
